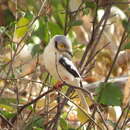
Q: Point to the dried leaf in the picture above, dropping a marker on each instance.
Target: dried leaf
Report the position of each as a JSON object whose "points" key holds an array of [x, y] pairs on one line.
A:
{"points": [[126, 92]]}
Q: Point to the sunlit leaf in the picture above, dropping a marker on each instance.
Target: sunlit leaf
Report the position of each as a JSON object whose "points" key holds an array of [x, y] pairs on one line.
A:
{"points": [[7, 108], [64, 88], [40, 103], [54, 28], [22, 27], [82, 117], [109, 94], [2, 83]]}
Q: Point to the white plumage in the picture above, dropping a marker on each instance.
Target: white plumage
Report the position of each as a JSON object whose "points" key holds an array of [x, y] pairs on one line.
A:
{"points": [[57, 60], [51, 61]]}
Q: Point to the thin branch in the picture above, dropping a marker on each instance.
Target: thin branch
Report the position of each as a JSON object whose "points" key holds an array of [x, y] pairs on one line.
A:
{"points": [[126, 116], [93, 56], [115, 58], [90, 118], [91, 40], [66, 18], [93, 47], [30, 103], [123, 111], [50, 124], [5, 120]]}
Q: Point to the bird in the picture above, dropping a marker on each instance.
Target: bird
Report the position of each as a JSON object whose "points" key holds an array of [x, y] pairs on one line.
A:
{"points": [[58, 62]]}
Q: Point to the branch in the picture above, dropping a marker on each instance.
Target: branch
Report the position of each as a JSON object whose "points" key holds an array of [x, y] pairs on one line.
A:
{"points": [[30, 103], [120, 81], [5, 120]]}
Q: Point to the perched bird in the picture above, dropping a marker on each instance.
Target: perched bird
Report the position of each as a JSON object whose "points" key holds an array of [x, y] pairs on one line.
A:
{"points": [[57, 60]]}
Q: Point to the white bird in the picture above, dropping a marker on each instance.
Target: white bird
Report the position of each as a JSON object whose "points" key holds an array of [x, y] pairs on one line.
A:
{"points": [[57, 60]]}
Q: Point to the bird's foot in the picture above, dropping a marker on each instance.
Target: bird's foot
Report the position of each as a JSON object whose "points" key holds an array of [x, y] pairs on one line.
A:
{"points": [[58, 85]]}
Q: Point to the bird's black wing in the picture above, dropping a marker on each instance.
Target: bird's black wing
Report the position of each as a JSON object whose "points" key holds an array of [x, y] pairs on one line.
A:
{"points": [[69, 66]]}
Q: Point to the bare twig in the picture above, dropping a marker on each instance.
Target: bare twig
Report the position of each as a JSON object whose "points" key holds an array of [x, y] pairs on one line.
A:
{"points": [[93, 56], [30, 103], [66, 18], [104, 18], [93, 47], [123, 111], [115, 58], [91, 40], [90, 118], [126, 116], [5, 120]]}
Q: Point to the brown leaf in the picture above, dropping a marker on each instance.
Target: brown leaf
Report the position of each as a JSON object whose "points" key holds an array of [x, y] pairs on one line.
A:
{"points": [[126, 93]]}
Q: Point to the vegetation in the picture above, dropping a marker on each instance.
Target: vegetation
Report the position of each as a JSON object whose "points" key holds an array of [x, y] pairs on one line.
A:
{"points": [[100, 34]]}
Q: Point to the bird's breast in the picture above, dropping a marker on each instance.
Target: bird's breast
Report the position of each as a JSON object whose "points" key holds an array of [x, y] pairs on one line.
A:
{"points": [[50, 62]]}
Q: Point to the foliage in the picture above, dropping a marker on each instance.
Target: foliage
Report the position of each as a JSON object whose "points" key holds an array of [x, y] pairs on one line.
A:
{"points": [[109, 94]]}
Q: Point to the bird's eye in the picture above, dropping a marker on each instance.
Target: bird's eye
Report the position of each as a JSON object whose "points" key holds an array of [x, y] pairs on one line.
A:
{"points": [[61, 45]]}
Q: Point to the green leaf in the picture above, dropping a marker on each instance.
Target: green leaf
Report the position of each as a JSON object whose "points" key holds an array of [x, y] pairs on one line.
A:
{"points": [[64, 88], [126, 25], [90, 4], [76, 23], [54, 28], [38, 122], [29, 15], [6, 104], [22, 27], [36, 50], [63, 124], [7, 108], [127, 46], [9, 17], [109, 94], [35, 128], [85, 11], [71, 129], [7, 114], [41, 32], [35, 122]]}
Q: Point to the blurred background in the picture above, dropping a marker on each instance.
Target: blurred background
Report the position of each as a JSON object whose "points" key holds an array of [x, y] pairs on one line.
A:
{"points": [[96, 28]]}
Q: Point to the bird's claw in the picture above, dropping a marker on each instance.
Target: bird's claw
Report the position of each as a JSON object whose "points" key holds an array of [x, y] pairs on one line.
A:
{"points": [[58, 85]]}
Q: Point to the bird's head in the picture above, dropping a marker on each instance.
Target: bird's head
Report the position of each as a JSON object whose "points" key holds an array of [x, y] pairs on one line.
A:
{"points": [[62, 45]]}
